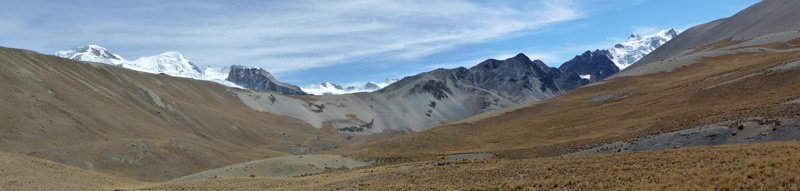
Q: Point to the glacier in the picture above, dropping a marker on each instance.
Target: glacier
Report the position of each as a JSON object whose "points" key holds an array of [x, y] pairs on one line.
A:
{"points": [[637, 46], [330, 88]]}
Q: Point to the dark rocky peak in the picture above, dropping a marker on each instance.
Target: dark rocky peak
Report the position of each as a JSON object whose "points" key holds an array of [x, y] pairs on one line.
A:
{"points": [[516, 77], [672, 32], [518, 62], [598, 52], [371, 85], [489, 64], [543, 67], [591, 66], [258, 79], [330, 84], [239, 69], [98, 51], [521, 57]]}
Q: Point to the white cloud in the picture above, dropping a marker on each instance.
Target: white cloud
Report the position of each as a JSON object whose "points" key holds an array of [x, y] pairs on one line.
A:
{"points": [[298, 35]]}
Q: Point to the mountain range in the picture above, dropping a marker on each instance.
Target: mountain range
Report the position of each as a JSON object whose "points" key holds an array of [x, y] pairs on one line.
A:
{"points": [[729, 83], [577, 72], [425, 100], [176, 64], [622, 55]]}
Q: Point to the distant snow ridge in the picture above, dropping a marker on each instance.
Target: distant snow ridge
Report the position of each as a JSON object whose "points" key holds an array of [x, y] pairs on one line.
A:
{"points": [[169, 63], [92, 53], [330, 88], [636, 47]]}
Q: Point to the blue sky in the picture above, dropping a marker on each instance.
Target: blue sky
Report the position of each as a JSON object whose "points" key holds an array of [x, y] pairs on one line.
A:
{"points": [[347, 42]]}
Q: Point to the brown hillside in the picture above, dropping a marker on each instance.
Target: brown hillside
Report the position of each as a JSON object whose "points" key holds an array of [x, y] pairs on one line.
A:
{"points": [[133, 124], [19, 172]]}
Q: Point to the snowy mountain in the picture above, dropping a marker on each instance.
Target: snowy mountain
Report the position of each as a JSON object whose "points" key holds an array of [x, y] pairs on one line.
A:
{"points": [[169, 63], [219, 75], [330, 88], [176, 64], [92, 53], [593, 66], [637, 46]]}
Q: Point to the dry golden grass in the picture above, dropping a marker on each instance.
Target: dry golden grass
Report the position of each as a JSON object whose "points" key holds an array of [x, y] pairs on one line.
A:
{"points": [[764, 166], [656, 103], [19, 172]]}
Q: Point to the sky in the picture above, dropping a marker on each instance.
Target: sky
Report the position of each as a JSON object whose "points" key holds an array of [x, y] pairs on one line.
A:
{"points": [[347, 42]]}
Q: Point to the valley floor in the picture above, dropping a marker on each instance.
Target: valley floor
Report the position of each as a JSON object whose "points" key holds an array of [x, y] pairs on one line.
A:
{"points": [[761, 166], [20, 172]]}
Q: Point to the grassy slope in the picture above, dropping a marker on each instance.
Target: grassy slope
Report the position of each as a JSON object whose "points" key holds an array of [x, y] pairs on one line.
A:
{"points": [[133, 124], [19, 172], [765, 166]]}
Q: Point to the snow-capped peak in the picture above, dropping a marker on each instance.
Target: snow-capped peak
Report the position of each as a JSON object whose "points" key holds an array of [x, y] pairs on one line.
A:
{"points": [[92, 53], [634, 36], [330, 88], [331, 85], [217, 73], [325, 88], [637, 46], [170, 63]]}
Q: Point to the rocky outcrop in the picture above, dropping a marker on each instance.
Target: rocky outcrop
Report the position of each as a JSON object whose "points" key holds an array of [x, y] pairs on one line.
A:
{"points": [[517, 79], [258, 79], [591, 66]]}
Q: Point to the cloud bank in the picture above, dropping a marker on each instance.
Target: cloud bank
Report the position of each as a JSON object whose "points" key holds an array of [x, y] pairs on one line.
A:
{"points": [[281, 36]]}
